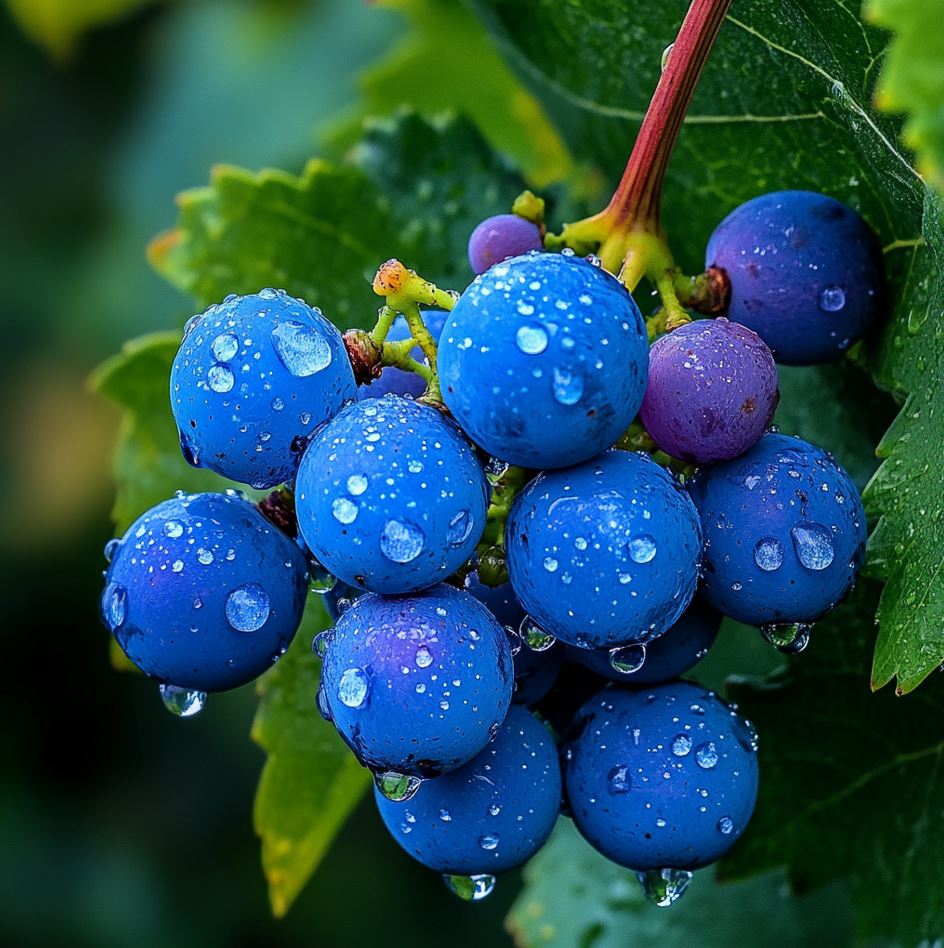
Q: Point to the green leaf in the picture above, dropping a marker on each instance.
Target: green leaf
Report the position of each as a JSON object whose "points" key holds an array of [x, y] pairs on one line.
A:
{"points": [[574, 896], [912, 79], [851, 782], [59, 24], [310, 781], [446, 63], [148, 465], [322, 235], [785, 102]]}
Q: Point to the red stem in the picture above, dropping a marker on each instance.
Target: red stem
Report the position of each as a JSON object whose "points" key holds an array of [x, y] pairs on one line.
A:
{"points": [[637, 198]]}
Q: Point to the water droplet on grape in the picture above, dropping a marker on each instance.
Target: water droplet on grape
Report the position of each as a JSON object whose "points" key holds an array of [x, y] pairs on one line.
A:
{"points": [[681, 745], [787, 637], [460, 526], [768, 554], [628, 659], [344, 510], [642, 548], [832, 299], [401, 541], [220, 378], [182, 702], [424, 658], [247, 608], [530, 339], [618, 780], [813, 544], [302, 349], [567, 386], [225, 346], [664, 887], [534, 636], [706, 755], [353, 687], [726, 825], [114, 606], [489, 841], [395, 786], [470, 888]]}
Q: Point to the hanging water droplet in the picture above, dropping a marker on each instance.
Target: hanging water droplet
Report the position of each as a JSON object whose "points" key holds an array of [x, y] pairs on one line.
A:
{"points": [[114, 606], [514, 640], [320, 581], [642, 548], [726, 825], [567, 386], [813, 544], [768, 554], [534, 636], [460, 526], [111, 548], [706, 755], [191, 324], [666, 53], [401, 541], [319, 644], [302, 349], [787, 637], [495, 469], [627, 659], [664, 887], [220, 378], [530, 339], [832, 299], [182, 702], [353, 687], [424, 657], [618, 780], [681, 745], [344, 510], [396, 786], [247, 607], [470, 888], [489, 841], [225, 346]]}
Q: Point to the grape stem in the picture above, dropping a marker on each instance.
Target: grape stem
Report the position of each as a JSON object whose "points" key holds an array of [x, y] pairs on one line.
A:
{"points": [[491, 547], [627, 234]]}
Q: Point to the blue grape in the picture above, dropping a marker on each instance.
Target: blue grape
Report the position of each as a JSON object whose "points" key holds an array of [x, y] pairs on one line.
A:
{"points": [[254, 376], [390, 496], [490, 815], [668, 656], [784, 532], [712, 391], [500, 237], [806, 273], [394, 381], [543, 360], [663, 778], [203, 592], [417, 684], [604, 554], [535, 672]]}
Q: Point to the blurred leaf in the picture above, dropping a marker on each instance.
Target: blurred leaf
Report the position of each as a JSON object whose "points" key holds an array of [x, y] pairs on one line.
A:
{"points": [[322, 236], [148, 464], [852, 783], [912, 77], [447, 63], [784, 103], [311, 781], [574, 896], [59, 24]]}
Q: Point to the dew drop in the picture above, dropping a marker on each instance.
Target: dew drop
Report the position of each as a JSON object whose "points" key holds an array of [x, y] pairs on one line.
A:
{"points": [[787, 637], [344, 510], [664, 887], [182, 702], [550, 564], [706, 755], [460, 526], [534, 636], [247, 607], [489, 841], [111, 548], [618, 780], [470, 888], [627, 659], [321, 702], [401, 541], [832, 299], [225, 346], [642, 548], [768, 554], [114, 606], [725, 825], [302, 349], [681, 745], [567, 386], [530, 339], [220, 378], [395, 786], [356, 485], [319, 644], [813, 544], [424, 658], [353, 687]]}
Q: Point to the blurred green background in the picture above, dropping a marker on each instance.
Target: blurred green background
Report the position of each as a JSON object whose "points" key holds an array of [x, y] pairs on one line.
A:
{"points": [[118, 824]]}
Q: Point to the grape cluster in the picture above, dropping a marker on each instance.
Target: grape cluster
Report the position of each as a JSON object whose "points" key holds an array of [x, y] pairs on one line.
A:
{"points": [[518, 571]]}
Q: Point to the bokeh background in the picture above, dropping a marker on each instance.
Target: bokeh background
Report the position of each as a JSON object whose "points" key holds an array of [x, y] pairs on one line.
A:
{"points": [[118, 824]]}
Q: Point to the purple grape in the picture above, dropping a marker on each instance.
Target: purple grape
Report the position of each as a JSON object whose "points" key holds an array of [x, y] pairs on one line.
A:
{"points": [[806, 273], [500, 237], [712, 391], [398, 381]]}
